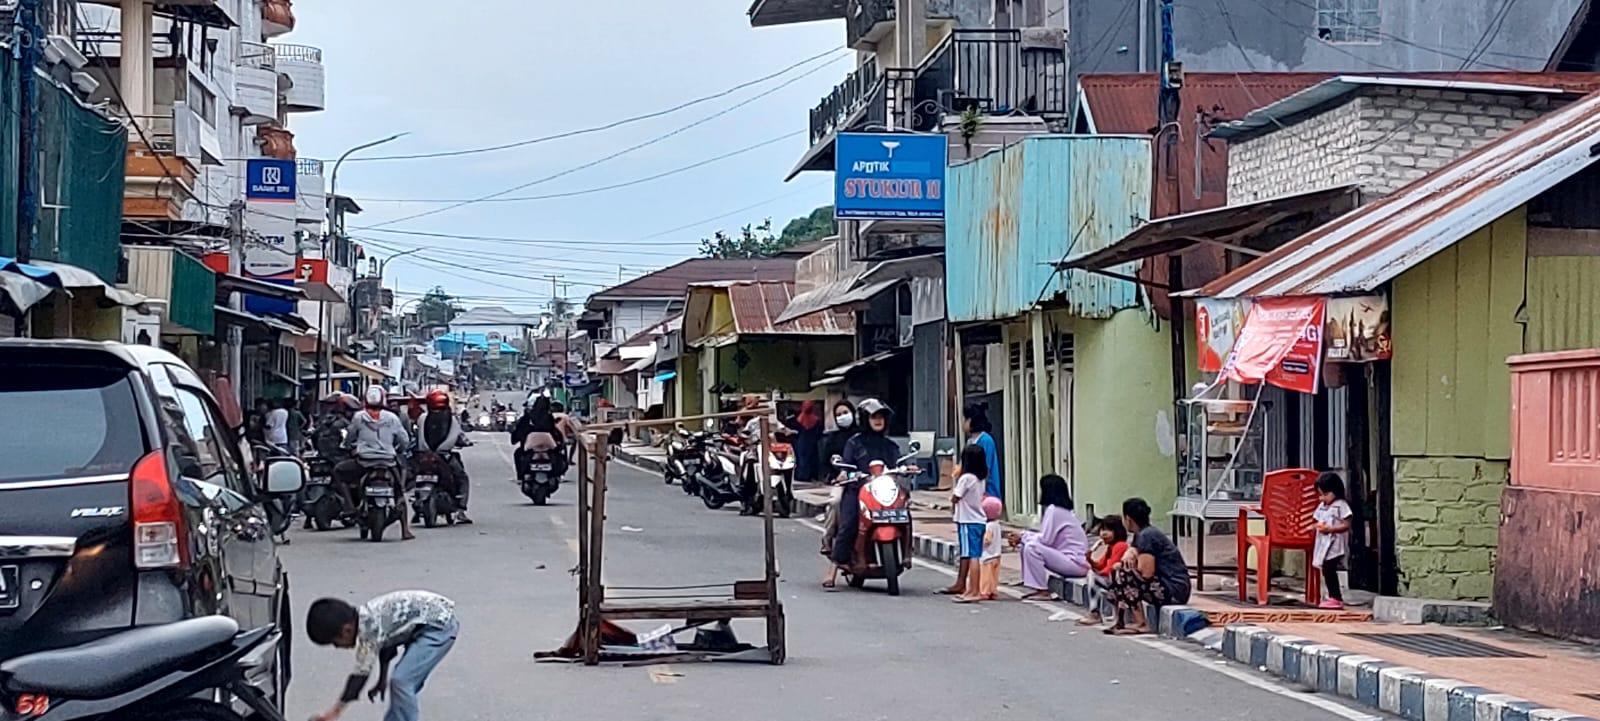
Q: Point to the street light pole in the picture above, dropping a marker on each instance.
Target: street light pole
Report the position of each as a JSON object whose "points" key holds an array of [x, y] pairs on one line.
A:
{"points": [[325, 354]]}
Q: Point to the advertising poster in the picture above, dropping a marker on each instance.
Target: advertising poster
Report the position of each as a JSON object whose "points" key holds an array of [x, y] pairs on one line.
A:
{"points": [[1280, 343]]}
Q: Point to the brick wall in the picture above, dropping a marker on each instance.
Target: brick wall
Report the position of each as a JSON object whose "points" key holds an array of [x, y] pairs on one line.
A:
{"points": [[1448, 515], [1382, 138]]}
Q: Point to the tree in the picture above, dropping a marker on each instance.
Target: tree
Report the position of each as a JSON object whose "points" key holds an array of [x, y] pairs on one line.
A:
{"points": [[753, 241], [437, 308], [806, 228]]}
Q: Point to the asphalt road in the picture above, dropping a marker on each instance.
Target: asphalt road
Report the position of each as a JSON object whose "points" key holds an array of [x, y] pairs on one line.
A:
{"points": [[852, 654]]}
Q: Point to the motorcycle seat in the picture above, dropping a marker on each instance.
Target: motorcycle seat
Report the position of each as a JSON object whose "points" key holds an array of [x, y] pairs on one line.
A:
{"points": [[118, 663]]}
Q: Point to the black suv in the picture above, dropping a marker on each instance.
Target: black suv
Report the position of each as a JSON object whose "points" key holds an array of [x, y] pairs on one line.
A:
{"points": [[126, 500]]}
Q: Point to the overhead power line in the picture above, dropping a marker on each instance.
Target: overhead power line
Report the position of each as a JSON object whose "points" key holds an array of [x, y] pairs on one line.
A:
{"points": [[611, 156], [599, 128]]}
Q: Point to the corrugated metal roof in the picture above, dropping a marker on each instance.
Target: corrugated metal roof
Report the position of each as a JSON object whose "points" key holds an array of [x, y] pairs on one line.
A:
{"points": [[671, 282], [757, 305], [1370, 246], [1335, 88]]}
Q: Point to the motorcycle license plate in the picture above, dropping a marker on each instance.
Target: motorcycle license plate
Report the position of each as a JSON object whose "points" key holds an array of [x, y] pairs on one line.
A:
{"points": [[380, 492], [10, 588], [427, 479], [890, 515], [319, 481], [541, 467]]}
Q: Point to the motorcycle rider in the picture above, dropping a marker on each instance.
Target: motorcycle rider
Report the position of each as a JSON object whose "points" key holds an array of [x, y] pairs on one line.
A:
{"points": [[536, 419], [328, 438], [871, 444], [376, 436], [569, 427], [441, 432]]}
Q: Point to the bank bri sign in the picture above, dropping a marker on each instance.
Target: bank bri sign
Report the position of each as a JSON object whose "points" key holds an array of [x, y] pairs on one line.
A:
{"points": [[889, 176]]}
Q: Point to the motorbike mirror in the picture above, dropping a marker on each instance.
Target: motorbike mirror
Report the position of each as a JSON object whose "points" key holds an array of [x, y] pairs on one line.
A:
{"points": [[285, 476], [915, 448], [711, 424]]}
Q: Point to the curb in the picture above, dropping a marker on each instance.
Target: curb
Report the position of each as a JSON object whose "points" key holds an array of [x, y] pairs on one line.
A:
{"points": [[645, 462], [1406, 692]]}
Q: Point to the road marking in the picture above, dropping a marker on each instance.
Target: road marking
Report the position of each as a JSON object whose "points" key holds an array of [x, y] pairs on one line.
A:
{"points": [[1060, 611]]}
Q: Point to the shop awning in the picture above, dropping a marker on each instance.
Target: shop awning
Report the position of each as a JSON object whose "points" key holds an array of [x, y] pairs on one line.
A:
{"points": [[350, 364], [231, 282], [1234, 227], [917, 266], [835, 376], [835, 294], [664, 376], [609, 367], [21, 289], [247, 319]]}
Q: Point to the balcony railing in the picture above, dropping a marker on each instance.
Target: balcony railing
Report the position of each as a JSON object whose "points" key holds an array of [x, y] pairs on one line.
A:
{"points": [[991, 71], [862, 88], [257, 55], [987, 70], [862, 19], [304, 53]]}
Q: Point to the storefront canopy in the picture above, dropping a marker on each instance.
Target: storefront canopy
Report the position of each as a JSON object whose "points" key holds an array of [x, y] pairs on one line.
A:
{"points": [[835, 376], [371, 373], [25, 284]]}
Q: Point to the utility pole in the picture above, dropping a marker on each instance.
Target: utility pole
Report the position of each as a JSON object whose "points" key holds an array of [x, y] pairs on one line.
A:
{"points": [[236, 299], [561, 324], [1168, 132], [26, 36]]}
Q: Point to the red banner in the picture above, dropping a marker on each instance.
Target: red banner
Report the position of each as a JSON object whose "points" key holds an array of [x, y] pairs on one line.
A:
{"points": [[1280, 343]]}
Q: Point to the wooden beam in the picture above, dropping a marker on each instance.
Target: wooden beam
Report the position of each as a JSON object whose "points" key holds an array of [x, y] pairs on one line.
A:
{"points": [[670, 421]]}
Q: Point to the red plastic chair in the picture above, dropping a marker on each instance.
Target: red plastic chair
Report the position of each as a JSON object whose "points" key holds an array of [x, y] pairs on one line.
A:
{"points": [[1288, 500]]}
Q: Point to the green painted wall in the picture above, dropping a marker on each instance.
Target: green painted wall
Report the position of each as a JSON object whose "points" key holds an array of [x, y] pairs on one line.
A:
{"points": [[1563, 300], [784, 363], [1122, 386], [1455, 321]]}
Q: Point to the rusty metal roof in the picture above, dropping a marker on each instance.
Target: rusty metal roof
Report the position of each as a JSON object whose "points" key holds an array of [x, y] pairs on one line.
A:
{"points": [[670, 282], [757, 305], [1366, 248]]}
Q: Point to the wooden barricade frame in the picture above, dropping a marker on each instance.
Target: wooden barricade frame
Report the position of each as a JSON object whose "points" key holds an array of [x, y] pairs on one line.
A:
{"points": [[750, 599]]}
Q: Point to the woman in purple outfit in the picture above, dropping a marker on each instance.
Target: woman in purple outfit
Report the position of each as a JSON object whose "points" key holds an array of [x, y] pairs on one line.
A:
{"points": [[1060, 545]]}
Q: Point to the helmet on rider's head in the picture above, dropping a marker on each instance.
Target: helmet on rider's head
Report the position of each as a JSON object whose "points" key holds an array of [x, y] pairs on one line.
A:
{"points": [[872, 407], [438, 400], [375, 397]]}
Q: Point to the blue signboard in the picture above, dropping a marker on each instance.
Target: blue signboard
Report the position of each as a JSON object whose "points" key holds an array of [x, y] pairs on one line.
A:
{"points": [[270, 180], [889, 176]]}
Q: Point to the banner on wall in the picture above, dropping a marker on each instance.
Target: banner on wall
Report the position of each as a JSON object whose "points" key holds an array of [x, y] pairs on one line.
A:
{"points": [[1216, 325], [1280, 343], [1357, 329]]}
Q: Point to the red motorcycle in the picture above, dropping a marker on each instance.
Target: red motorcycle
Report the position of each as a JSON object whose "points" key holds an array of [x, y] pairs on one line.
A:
{"points": [[883, 537]]}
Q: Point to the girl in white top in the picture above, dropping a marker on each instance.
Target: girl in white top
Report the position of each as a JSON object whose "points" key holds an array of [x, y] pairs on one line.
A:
{"points": [[1333, 537]]}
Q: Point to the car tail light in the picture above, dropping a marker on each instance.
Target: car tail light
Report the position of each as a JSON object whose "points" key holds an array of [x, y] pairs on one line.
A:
{"points": [[160, 537]]}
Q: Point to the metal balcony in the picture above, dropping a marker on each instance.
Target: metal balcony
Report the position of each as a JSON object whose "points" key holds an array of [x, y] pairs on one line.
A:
{"points": [[785, 12], [311, 206], [302, 65], [868, 22], [215, 13], [257, 79]]}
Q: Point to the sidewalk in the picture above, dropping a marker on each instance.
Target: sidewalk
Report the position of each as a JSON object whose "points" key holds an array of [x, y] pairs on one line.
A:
{"points": [[1430, 676]]}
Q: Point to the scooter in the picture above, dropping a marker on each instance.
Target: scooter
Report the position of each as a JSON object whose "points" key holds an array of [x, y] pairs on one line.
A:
{"points": [[543, 474], [779, 478], [718, 484], [170, 672], [378, 506], [883, 541], [437, 495], [320, 499]]}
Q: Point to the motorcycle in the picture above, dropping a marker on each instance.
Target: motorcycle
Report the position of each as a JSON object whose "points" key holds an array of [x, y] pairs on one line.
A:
{"points": [[883, 541], [718, 484], [542, 475], [170, 672], [320, 500], [280, 511], [378, 506], [683, 458], [780, 478], [437, 494]]}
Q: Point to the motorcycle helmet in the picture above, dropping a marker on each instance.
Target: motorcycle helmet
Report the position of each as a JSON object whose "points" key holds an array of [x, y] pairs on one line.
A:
{"points": [[872, 406], [375, 397], [438, 400]]}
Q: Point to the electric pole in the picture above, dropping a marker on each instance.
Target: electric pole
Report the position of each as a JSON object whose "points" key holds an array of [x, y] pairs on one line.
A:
{"points": [[26, 35], [558, 310], [236, 300]]}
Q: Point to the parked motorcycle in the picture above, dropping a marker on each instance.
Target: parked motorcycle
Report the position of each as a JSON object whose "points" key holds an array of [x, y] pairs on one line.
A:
{"points": [[320, 500], [170, 672], [685, 454], [378, 506], [883, 541], [779, 478], [718, 484], [280, 511], [437, 495]]}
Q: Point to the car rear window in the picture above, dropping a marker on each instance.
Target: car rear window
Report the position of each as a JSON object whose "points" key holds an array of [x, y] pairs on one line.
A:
{"points": [[66, 422]]}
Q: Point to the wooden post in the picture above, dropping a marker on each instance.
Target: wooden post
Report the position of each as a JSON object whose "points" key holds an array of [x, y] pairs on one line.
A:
{"points": [[597, 535], [774, 603], [583, 543]]}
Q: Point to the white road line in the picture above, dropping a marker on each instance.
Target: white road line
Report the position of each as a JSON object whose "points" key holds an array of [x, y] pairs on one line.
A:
{"points": [[1061, 611]]}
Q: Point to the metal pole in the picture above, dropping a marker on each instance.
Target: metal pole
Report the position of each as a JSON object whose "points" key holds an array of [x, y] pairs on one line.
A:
{"points": [[325, 358], [25, 38]]}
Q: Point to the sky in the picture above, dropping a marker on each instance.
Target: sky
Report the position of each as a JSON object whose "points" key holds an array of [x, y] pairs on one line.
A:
{"points": [[479, 73]]}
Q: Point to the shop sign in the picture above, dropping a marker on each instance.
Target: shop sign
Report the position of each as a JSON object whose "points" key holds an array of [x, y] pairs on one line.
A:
{"points": [[1216, 325], [889, 176], [1357, 329], [1280, 343]]}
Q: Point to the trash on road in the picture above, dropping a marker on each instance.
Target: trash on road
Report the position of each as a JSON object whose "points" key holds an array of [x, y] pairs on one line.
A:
{"points": [[632, 529]]}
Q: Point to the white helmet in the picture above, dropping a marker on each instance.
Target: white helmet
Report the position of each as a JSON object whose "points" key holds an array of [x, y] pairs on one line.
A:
{"points": [[375, 397]]}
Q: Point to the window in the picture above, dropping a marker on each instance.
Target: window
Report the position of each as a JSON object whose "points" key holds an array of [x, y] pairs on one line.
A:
{"points": [[66, 422], [1348, 21]]}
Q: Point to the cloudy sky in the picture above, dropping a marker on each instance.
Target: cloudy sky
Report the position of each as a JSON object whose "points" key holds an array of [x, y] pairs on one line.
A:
{"points": [[478, 73]]}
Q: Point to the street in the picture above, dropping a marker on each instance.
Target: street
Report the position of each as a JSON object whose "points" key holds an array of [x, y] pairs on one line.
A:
{"points": [[852, 654]]}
